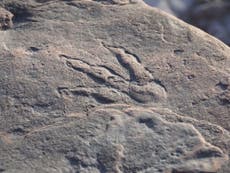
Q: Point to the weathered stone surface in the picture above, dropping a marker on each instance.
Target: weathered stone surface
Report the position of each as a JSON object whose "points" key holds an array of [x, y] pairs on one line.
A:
{"points": [[5, 19], [211, 16], [118, 138], [101, 86]]}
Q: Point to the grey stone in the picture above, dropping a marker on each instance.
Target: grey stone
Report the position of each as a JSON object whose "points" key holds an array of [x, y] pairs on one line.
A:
{"points": [[5, 19], [111, 86], [202, 14]]}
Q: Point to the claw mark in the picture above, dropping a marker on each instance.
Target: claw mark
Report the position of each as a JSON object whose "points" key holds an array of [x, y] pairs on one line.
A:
{"points": [[62, 90], [132, 63], [71, 58], [102, 99], [157, 81], [140, 87], [112, 71], [81, 92], [99, 74], [96, 75], [148, 93], [102, 95], [132, 54]]}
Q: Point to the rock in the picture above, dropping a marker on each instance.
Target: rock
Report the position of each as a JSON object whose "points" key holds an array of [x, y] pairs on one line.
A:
{"points": [[200, 14], [112, 139], [111, 86], [5, 19]]}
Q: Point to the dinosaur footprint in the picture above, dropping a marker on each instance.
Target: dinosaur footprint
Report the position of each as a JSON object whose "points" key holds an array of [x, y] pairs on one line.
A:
{"points": [[141, 87]]}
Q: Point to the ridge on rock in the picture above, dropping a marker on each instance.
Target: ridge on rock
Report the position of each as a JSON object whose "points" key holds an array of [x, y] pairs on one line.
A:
{"points": [[111, 87]]}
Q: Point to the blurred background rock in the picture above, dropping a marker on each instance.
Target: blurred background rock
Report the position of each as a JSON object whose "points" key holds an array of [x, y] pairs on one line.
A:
{"points": [[212, 16]]}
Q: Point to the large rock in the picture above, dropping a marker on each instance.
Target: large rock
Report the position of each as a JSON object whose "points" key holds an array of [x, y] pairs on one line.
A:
{"points": [[111, 86], [200, 14]]}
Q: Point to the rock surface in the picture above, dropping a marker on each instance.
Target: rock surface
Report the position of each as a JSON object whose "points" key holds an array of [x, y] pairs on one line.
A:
{"points": [[5, 19], [111, 86], [212, 16]]}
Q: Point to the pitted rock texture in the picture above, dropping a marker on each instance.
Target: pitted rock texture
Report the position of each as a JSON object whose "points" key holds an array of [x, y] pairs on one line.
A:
{"points": [[118, 138], [111, 86], [5, 19]]}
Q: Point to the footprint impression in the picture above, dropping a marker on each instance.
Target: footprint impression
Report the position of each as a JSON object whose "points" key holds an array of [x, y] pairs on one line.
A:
{"points": [[141, 87]]}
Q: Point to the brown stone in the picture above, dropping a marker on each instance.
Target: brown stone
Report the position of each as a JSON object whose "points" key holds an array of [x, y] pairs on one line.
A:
{"points": [[105, 87], [5, 19]]}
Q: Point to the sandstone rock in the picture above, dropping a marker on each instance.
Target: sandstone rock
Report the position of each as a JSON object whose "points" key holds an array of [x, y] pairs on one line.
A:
{"points": [[118, 138], [5, 19], [111, 86], [200, 14]]}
